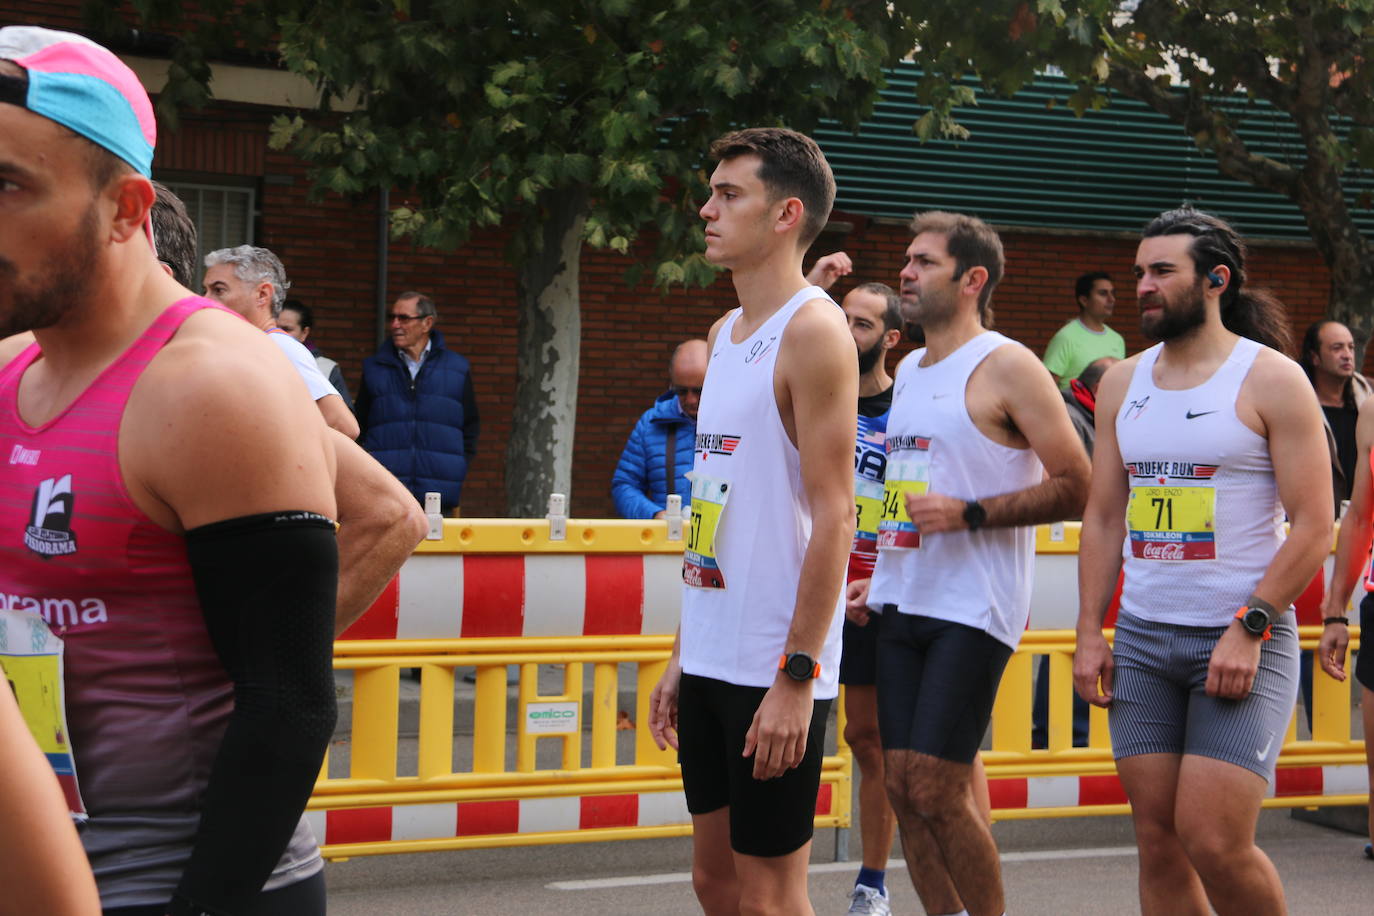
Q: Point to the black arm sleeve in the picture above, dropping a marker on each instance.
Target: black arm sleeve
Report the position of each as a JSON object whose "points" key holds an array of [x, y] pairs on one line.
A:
{"points": [[267, 587]]}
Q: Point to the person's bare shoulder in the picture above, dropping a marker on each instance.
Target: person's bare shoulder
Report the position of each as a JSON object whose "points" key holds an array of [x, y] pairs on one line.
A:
{"points": [[1012, 365], [220, 426], [1273, 368], [817, 320], [11, 347]]}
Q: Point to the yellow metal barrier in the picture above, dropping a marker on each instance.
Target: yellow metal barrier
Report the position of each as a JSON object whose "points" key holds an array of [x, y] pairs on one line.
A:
{"points": [[512, 815], [1327, 768], [498, 592]]}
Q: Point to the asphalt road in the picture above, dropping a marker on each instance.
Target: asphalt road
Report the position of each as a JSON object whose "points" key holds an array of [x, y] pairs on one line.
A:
{"points": [[1059, 867]]}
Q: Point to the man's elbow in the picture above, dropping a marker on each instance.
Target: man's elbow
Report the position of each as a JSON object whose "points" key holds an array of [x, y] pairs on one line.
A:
{"points": [[835, 515], [1076, 491], [346, 424], [412, 527]]}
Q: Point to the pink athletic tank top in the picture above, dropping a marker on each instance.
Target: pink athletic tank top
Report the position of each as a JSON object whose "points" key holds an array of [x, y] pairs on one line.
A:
{"points": [[146, 696]]}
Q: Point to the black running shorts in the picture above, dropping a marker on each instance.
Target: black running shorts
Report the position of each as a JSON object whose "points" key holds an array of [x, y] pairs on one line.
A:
{"points": [[1364, 661], [859, 653], [936, 684], [771, 817]]}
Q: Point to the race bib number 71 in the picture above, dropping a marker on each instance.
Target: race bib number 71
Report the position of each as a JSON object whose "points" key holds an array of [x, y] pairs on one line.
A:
{"points": [[1172, 522]]}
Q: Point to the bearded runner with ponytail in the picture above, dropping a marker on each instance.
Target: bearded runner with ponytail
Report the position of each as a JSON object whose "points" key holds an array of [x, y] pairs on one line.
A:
{"points": [[1253, 313], [1205, 442]]}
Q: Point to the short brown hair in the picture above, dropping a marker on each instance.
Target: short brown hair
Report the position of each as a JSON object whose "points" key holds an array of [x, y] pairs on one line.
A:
{"points": [[972, 243], [791, 165]]}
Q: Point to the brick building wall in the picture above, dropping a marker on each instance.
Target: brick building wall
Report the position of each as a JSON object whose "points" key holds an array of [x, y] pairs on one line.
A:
{"points": [[329, 247]]}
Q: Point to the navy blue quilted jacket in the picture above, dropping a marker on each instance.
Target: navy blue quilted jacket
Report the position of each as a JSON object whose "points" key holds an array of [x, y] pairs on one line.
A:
{"points": [[424, 431], [639, 486]]}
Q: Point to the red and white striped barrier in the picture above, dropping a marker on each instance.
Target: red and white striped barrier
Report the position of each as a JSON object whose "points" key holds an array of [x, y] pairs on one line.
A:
{"points": [[513, 816], [1105, 789], [447, 596], [452, 595]]}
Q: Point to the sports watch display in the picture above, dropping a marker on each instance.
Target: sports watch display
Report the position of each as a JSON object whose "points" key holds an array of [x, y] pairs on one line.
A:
{"points": [[974, 514], [1256, 620], [799, 666]]}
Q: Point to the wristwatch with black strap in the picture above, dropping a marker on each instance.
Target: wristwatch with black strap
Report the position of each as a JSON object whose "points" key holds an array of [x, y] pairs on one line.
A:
{"points": [[1257, 616], [974, 514], [799, 666]]}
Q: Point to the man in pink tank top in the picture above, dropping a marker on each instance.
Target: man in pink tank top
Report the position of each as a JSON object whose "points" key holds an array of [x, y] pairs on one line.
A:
{"points": [[1205, 442], [156, 473]]}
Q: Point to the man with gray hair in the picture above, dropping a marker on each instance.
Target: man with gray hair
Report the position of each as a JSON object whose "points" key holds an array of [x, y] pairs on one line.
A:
{"points": [[252, 282]]}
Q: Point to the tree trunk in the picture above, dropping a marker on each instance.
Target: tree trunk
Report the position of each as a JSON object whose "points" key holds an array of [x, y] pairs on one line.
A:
{"points": [[539, 454], [1352, 304], [1348, 257]]}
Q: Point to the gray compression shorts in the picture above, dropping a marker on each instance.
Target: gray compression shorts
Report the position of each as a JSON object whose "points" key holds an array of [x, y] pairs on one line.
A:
{"points": [[1160, 705]]}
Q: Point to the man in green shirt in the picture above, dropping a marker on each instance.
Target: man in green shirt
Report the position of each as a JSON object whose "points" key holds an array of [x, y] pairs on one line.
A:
{"points": [[1087, 337]]}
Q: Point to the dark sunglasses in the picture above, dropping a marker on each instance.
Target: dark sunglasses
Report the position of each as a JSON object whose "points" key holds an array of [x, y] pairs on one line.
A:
{"points": [[403, 319]]}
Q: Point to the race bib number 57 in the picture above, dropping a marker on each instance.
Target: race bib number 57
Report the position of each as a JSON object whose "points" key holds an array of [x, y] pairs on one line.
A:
{"points": [[700, 567]]}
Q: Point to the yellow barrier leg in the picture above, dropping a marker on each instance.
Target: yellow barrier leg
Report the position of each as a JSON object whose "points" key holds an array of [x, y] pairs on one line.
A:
{"points": [[1061, 702], [572, 693], [1011, 711], [489, 721], [376, 698], [436, 721], [646, 752], [605, 694], [1331, 704]]}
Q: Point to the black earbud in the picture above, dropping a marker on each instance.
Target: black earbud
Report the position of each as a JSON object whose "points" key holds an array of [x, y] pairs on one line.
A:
{"points": [[1214, 278]]}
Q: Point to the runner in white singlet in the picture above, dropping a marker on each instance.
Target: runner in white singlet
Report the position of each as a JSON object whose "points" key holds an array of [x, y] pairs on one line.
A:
{"points": [[1204, 442], [746, 693], [979, 449]]}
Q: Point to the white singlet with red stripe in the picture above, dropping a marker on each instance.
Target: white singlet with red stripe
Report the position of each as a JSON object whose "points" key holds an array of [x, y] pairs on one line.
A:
{"points": [[753, 545], [978, 578], [1203, 519]]}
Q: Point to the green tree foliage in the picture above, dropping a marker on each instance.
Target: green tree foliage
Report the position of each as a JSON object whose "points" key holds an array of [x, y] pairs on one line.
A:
{"points": [[476, 111], [1206, 65], [586, 120]]}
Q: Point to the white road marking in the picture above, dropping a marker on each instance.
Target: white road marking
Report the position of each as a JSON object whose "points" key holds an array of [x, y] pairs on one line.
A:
{"points": [[1043, 855]]}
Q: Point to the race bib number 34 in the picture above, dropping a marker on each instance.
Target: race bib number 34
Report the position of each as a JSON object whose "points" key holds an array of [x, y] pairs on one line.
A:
{"points": [[1169, 522], [896, 531], [700, 568]]}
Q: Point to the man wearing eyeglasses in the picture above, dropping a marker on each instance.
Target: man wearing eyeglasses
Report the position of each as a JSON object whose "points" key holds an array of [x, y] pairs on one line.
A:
{"points": [[659, 452], [416, 405]]}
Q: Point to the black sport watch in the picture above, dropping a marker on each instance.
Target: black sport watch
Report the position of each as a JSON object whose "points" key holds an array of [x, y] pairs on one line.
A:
{"points": [[974, 514], [1255, 619], [799, 666]]}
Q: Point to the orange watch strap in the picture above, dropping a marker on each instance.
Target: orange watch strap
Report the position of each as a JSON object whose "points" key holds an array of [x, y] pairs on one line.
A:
{"points": [[1240, 615]]}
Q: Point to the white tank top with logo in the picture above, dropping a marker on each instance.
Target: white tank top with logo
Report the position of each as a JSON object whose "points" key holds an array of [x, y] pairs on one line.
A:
{"points": [[750, 519], [1203, 519], [978, 578]]}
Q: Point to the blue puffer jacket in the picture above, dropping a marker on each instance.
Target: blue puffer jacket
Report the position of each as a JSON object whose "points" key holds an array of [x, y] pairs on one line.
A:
{"points": [[639, 487], [424, 431]]}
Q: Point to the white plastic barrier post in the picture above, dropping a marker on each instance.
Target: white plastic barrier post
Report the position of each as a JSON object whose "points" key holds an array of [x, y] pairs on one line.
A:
{"points": [[558, 517], [435, 516], [673, 515]]}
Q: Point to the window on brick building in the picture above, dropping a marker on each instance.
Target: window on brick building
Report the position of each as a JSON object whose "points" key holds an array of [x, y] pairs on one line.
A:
{"points": [[223, 215]]}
